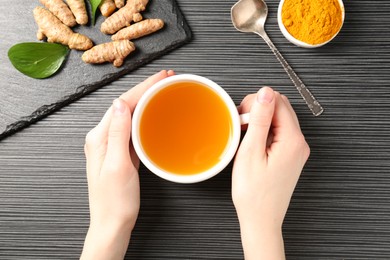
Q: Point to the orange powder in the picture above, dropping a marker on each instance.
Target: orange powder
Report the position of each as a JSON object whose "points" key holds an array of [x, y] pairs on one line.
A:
{"points": [[312, 21]]}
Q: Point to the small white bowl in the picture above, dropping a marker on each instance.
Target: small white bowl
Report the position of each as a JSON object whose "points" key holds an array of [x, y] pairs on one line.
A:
{"points": [[300, 43]]}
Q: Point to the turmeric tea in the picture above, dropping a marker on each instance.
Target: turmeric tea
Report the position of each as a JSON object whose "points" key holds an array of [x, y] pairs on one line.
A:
{"points": [[312, 21]]}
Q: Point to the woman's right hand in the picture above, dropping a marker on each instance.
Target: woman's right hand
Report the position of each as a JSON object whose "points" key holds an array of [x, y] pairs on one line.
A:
{"points": [[267, 167]]}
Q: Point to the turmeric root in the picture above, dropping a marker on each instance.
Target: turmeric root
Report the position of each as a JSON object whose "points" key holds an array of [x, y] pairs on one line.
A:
{"points": [[123, 17], [119, 3], [55, 31], [114, 52], [79, 11], [137, 17], [61, 10], [107, 7], [138, 30]]}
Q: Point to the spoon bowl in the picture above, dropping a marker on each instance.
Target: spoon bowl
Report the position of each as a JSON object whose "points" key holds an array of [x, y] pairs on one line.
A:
{"points": [[249, 16]]}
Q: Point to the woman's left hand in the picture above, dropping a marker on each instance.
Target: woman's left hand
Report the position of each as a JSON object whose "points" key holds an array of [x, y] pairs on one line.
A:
{"points": [[112, 174]]}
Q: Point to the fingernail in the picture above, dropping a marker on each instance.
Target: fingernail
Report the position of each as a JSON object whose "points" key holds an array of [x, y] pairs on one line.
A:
{"points": [[119, 107], [265, 95]]}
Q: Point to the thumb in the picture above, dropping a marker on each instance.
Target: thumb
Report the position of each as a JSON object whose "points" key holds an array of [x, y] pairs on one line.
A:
{"points": [[260, 119], [119, 133]]}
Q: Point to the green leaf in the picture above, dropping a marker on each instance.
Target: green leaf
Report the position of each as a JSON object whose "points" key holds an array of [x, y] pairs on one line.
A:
{"points": [[37, 60], [94, 5]]}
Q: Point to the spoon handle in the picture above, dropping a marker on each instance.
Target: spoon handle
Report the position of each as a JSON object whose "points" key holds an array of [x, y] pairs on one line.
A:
{"points": [[310, 100]]}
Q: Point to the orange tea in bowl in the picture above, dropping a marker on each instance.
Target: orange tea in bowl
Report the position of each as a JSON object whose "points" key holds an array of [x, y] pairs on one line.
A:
{"points": [[186, 128]]}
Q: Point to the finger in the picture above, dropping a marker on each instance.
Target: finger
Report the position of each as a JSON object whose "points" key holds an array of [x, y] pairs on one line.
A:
{"points": [[96, 141], [119, 134], [245, 107], [284, 123], [287, 132], [105, 122], [98, 134], [101, 129], [132, 96], [246, 104], [260, 119], [134, 156], [291, 109], [95, 149]]}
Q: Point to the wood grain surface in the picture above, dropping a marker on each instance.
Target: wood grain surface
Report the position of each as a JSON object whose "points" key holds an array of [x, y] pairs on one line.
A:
{"points": [[340, 208]]}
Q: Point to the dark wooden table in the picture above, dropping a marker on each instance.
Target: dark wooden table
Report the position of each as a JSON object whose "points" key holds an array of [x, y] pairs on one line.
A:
{"points": [[340, 209]]}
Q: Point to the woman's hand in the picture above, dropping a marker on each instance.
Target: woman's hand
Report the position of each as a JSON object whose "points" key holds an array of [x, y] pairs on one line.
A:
{"points": [[113, 181], [265, 172]]}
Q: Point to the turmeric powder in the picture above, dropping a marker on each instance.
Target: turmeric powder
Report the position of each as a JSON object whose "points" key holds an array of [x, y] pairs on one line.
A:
{"points": [[61, 10], [312, 21], [79, 11], [114, 52], [55, 31], [123, 17], [138, 30]]}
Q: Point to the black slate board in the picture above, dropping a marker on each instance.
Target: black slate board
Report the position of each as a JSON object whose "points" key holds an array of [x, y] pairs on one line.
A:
{"points": [[25, 100]]}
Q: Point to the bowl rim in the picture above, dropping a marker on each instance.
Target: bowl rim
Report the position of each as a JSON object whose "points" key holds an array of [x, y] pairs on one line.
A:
{"points": [[230, 151], [300, 43]]}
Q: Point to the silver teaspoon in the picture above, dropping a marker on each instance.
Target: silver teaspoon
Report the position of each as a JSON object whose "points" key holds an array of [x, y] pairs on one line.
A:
{"points": [[250, 16]]}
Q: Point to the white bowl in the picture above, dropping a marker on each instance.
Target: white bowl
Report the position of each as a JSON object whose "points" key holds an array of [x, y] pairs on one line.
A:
{"points": [[300, 43]]}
